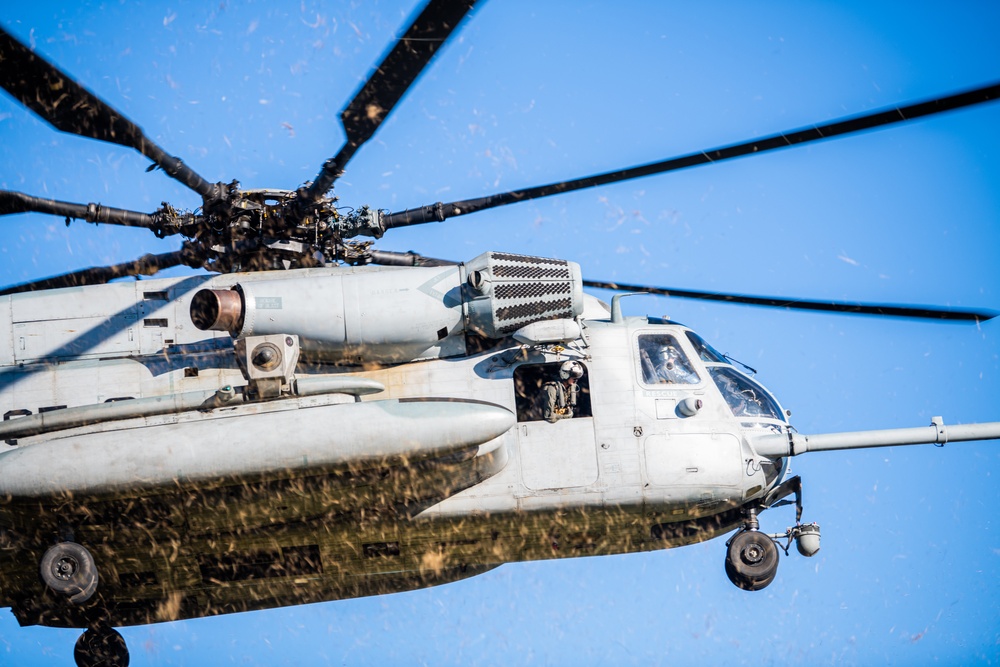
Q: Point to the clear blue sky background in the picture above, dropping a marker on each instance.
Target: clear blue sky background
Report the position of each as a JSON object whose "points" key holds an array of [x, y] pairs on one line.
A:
{"points": [[531, 93]]}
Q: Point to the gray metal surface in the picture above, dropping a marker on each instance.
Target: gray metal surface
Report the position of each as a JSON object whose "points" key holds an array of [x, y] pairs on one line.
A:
{"points": [[793, 444], [247, 443]]}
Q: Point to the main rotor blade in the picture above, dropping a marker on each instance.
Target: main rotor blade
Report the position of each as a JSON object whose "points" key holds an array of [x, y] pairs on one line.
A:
{"points": [[18, 202], [69, 107], [393, 76], [439, 212], [146, 265], [390, 258], [789, 303]]}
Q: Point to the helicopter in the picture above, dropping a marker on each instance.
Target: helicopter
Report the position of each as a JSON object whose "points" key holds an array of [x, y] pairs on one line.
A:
{"points": [[222, 337]]}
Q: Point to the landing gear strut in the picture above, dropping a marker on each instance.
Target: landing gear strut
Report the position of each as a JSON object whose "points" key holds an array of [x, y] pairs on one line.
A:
{"points": [[101, 646], [68, 569], [752, 558]]}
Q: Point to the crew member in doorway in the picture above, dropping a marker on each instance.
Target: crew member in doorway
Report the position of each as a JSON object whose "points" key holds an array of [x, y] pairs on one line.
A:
{"points": [[560, 395]]}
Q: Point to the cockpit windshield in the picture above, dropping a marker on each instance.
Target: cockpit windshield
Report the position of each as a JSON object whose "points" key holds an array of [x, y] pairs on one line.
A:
{"points": [[745, 397], [706, 351], [664, 362]]}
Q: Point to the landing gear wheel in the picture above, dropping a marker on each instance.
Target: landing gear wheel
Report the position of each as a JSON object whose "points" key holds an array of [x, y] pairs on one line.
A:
{"points": [[69, 570], [752, 561], [101, 647]]}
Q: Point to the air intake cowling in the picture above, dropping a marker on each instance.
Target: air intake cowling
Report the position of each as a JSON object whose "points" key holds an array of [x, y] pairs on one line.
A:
{"points": [[505, 292]]}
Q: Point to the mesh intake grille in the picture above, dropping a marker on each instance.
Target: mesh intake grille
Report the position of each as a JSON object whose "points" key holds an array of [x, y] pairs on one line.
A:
{"points": [[526, 259], [510, 271], [513, 291], [528, 290], [533, 309]]}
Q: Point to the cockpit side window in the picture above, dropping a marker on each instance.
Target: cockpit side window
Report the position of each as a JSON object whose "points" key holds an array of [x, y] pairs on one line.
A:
{"points": [[745, 398], [663, 361], [706, 351]]}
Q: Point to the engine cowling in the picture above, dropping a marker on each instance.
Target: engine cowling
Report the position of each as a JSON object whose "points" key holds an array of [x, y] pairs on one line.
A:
{"points": [[395, 314]]}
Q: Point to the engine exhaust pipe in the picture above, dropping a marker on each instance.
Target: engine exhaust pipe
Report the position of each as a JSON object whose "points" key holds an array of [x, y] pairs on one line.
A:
{"points": [[218, 310]]}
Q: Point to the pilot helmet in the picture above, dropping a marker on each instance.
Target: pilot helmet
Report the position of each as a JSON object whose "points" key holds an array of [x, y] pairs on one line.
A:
{"points": [[668, 352], [570, 369]]}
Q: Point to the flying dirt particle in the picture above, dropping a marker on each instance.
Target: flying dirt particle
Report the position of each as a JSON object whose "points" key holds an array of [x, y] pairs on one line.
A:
{"points": [[315, 24], [432, 561], [848, 260], [169, 609]]}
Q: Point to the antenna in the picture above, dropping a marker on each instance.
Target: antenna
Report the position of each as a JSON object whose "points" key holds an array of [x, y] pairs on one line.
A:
{"points": [[616, 306]]}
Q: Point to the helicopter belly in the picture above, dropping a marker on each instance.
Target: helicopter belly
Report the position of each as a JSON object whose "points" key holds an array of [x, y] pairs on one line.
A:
{"points": [[246, 445]]}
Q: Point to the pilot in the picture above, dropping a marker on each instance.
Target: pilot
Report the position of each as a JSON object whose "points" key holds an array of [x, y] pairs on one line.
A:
{"points": [[743, 403], [732, 395], [673, 367], [559, 396]]}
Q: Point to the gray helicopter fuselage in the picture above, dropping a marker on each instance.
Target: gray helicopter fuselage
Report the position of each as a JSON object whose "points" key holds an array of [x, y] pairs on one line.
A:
{"points": [[246, 441], [629, 471]]}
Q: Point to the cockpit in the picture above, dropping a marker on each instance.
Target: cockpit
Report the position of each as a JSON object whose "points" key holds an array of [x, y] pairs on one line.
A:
{"points": [[663, 361], [745, 397]]}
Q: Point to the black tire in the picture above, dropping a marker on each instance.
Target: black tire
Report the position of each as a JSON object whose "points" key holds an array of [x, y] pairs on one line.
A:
{"points": [[69, 570], [101, 647], [744, 583], [752, 560]]}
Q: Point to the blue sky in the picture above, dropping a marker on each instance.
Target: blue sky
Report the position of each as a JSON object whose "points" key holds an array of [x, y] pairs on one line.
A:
{"points": [[531, 93]]}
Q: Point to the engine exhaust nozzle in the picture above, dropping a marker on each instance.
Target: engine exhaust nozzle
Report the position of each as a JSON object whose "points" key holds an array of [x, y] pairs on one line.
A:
{"points": [[217, 310]]}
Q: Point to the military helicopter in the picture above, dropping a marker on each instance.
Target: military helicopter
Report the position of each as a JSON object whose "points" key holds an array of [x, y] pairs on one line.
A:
{"points": [[257, 381]]}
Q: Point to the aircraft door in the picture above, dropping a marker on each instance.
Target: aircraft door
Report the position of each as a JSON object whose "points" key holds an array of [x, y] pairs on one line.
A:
{"points": [[555, 427]]}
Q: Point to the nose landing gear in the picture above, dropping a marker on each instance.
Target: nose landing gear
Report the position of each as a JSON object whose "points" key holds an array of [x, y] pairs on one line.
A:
{"points": [[752, 556]]}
